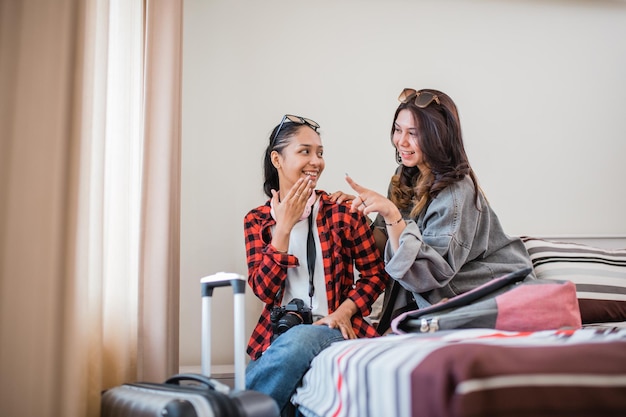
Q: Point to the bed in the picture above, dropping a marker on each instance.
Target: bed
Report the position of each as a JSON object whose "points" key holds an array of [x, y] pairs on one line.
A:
{"points": [[484, 372]]}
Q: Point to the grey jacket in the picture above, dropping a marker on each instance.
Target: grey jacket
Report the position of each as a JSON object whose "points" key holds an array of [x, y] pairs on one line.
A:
{"points": [[455, 245]]}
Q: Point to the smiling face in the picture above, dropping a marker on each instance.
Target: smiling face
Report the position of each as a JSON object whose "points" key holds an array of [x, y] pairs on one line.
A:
{"points": [[405, 139], [303, 156]]}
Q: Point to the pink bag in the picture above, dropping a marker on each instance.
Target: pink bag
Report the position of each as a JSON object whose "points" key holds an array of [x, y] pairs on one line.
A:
{"points": [[510, 302]]}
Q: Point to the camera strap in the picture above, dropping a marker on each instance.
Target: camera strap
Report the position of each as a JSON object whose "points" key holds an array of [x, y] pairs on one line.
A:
{"points": [[311, 254]]}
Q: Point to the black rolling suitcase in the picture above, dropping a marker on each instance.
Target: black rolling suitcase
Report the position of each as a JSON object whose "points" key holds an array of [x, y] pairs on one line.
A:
{"points": [[197, 395]]}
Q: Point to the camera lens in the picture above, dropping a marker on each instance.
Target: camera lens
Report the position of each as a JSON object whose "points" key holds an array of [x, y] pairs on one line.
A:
{"points": [[287, 322]]}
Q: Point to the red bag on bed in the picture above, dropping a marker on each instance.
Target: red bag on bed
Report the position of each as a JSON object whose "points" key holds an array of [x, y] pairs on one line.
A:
{"points": [[506, 303]]}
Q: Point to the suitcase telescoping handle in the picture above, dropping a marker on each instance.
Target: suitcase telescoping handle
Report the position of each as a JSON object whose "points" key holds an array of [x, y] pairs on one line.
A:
{"points": [[238, 282]]}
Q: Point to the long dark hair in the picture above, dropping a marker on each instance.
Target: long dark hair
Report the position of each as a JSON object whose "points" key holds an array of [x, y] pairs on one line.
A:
{"points": [[277, 143], [441, 142]]}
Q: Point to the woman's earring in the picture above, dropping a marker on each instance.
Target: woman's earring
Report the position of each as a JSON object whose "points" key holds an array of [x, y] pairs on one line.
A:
{"points": [[398, 157]]}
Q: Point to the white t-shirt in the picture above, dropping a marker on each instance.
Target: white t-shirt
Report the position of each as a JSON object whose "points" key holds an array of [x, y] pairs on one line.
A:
{"points": [[297, 283]]}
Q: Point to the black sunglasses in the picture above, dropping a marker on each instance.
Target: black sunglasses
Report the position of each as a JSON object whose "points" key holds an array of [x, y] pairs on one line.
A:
{"points": [[296, 119], [422, 98]]}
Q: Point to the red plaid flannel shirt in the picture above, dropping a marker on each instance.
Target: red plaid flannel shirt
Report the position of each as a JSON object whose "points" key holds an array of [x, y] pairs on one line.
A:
{"points": [[346, 240]]}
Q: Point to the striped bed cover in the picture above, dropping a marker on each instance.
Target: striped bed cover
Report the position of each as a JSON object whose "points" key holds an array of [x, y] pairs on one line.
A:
{"points": [[473, 372]]}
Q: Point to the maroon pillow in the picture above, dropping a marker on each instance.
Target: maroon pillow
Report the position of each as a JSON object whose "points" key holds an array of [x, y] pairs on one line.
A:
{"points": [[599, 275]]}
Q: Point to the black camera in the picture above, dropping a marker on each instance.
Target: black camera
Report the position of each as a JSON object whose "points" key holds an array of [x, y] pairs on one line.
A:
{"points": [[285, 317]]}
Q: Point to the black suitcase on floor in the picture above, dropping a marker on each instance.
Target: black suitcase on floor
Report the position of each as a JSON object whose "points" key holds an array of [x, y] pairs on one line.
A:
{"points": [[197, 395]]}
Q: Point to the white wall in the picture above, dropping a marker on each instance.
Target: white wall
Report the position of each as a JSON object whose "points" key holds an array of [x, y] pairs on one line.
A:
{"points": [[540, 86]]}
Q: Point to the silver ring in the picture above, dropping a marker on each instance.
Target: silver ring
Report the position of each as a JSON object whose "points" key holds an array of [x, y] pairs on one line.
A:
{"points": [[298, 194]]}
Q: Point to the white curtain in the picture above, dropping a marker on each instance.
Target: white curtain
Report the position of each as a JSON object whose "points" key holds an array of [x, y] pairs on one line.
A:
{"points": [[89, 207]]}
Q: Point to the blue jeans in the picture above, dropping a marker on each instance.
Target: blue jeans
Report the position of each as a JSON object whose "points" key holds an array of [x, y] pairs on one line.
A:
{"points": [[279, 371]]}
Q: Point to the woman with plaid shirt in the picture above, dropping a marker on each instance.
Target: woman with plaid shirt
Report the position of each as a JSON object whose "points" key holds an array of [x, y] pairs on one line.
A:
{"points": [[286, 262]]}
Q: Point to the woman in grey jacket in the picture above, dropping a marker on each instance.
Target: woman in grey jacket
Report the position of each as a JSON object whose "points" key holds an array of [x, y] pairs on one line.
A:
{"points": [[443, 238]]}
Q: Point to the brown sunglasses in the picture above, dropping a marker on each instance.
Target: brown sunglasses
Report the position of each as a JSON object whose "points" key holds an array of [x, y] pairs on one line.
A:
{"points": [[422, 98]]}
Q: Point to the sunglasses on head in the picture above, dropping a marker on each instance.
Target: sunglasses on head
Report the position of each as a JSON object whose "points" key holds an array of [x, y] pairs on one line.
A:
{"points": [[296, 119], [422, 98]]}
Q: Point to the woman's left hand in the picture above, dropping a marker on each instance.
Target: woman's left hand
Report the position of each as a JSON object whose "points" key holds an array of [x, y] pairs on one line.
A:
{"points": [[339, 197], [341, 319], [338, 320]]}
